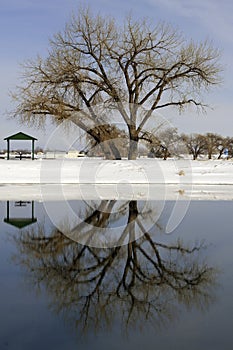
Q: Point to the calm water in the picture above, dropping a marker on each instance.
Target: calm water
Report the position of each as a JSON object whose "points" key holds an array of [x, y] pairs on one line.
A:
{"points": [[159, 291]]}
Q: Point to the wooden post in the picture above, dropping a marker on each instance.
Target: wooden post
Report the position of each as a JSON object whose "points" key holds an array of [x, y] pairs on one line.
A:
{"points": [[32, 210], [33, 156], [8, 210], [8, 149]]}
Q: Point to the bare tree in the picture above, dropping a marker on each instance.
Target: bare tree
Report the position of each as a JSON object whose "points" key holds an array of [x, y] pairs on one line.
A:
{"points": [[161, 143], [230, 147], [96, 62], [225, 143], [195, 143], [213, 141], [169, 139]]}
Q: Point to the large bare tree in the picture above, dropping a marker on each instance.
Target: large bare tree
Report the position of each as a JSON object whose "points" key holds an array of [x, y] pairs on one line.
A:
{"points": [[96, 69]]}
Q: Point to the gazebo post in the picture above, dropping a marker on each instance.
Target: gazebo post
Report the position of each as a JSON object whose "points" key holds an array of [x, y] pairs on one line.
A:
{"points": [[32, 210], [33, 151], [8, 149], [8, 210]]}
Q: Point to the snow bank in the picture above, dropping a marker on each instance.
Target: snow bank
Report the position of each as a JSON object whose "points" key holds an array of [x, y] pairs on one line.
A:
{"points": [[117, 179], [96, 171]]}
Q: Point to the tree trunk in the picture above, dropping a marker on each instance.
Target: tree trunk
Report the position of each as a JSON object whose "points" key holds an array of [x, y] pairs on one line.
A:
{"points": [[220, 154], [133, 150], [132, 216], [133, 144], [115, 150], [165, 154], [133, 211]]}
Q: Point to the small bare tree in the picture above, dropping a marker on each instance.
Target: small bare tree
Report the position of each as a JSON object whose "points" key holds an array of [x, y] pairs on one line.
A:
{"points": [[169, 139], [96, 62], [162, 143], [213, 141], [195, 143], [226, 143], [230, 147]]}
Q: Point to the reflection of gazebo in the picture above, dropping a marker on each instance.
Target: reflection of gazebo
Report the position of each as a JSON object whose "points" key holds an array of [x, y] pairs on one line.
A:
{"points": [[20, 222], [20, 136]]}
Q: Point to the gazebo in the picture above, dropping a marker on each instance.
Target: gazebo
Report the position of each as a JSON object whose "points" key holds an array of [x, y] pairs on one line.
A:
{"points": [[20, 222], [20, 136]]}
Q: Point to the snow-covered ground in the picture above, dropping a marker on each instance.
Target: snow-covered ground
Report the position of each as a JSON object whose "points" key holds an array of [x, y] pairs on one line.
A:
{"points": [[96, 178]]}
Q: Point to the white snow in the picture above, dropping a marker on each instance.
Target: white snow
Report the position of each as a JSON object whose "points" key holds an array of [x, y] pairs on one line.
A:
{"points": [[96, 178]]}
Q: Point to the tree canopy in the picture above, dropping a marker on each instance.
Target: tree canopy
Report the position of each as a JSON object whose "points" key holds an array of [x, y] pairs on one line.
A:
{"points": [[97, 69]]}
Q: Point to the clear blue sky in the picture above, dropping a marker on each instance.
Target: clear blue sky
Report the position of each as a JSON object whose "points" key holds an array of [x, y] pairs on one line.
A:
{"points": [[27, 25]]}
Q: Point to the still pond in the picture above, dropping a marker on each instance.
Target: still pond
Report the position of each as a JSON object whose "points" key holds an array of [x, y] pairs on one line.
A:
{"points": [[69, 289]]}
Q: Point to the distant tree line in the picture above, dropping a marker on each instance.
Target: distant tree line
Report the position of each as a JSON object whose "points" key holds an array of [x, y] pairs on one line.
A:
{"points": [[209, 144], [168, 143]]}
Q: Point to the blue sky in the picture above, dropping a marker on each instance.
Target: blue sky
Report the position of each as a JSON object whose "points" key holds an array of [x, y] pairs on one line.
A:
{"points": [[27, 25]]}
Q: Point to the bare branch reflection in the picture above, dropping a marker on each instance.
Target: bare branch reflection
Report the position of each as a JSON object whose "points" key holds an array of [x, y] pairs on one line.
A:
{"points": [[111, 223], [143, 282]]}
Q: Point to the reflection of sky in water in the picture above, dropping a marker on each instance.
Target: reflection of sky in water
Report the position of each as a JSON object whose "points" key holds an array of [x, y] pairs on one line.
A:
{"points": [[27, 322]]}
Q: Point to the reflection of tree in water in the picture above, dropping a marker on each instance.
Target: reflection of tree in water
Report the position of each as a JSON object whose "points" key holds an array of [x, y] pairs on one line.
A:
{"points": [[93, 287], [102, 225]]}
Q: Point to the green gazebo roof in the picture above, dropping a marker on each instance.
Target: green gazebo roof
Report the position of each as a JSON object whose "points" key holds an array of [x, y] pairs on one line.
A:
{"points": [[20, 222], [20, 136]]}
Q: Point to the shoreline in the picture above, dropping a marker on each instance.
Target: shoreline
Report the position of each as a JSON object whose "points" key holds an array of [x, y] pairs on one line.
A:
{"points": [[61, 192], [95, 179]]}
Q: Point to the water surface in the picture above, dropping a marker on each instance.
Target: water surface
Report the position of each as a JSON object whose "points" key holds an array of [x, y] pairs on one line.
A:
{"points": [[167, 291]]}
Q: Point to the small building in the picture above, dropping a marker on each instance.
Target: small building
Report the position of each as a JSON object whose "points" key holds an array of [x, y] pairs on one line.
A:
{"points": [[73, 153], [55, 154], [40, 155]]}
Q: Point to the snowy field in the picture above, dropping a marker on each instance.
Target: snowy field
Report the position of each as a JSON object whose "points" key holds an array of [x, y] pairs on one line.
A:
{"points": [[94, 178]]}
